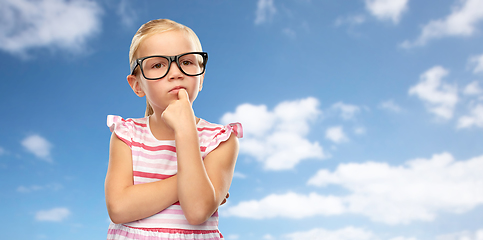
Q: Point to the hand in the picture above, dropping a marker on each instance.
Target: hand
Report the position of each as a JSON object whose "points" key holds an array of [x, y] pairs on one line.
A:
{"points": [[179, 113], [224, 200]]}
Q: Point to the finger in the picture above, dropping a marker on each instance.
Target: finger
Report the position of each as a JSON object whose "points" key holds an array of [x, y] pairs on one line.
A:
{"points": [[183, 94]]}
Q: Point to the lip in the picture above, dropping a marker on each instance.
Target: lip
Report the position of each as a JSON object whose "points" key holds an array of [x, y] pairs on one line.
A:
{"points": [[176, 89]]}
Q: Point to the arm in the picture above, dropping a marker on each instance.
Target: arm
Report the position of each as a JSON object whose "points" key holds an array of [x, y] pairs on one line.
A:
{"points": [[202, 185], [127, 202]]}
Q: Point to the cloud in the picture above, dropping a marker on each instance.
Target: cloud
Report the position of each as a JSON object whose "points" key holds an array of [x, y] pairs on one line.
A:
{"points": [[233, 237], [126, 12], [440, 98], [464, 235], [53, 215], [289, 205], [27, 24], [278, 138], [347, 111], [391, 106], [387, 9], [360, 130], [351, 20], [474, 118], [33, 188], [347, 233], [336, 134], [417, 190], [39, 146], [462, 21], [239, 175], [268, 237], [473, 89], [289, 33], [477, 62], [265, 11], [2, 151]]}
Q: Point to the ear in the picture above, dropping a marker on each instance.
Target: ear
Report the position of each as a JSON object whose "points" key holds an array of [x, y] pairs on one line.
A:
{"points": [[201, 82], [135, 85]]}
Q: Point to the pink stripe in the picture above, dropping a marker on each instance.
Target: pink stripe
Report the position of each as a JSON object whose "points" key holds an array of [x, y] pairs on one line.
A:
{"points": [[156, 156], [156, 148], [209, 129], [120, 232], [130, 120], [150, 175]]}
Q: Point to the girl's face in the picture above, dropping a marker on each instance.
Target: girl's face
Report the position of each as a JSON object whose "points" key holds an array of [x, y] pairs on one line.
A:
{"points": [[162, 91]]}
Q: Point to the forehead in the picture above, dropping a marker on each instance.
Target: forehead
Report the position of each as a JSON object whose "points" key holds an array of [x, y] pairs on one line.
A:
{"points": [[168, 43]]}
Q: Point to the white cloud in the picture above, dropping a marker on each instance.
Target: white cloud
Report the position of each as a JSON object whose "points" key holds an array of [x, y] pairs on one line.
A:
{"points": [[53, 215], [265, 11], [289, 33], [233, 237], [403, 238], [336, 134], [27, 24], [462, 21], [39, 146], [464, 235], [126, 12], [2, 151], [391, 106], [360, 130], [268, 237], [239, 175], [472, 89], [351, 20], [415, 191], [33, 188], [440, 98], [347, 111], [278, 138], [475, 118], [387, 9], [289, 205], [347, 233], [477, 62]]}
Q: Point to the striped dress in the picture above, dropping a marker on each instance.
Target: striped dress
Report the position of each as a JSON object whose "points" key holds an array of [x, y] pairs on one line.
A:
{"points": [[155, 160]]}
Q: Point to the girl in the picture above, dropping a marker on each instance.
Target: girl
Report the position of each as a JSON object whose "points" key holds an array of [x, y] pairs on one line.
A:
{"points": [[169, 171]]}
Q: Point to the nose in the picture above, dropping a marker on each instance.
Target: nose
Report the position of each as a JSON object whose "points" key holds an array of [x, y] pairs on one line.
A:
{"points": [[174, 72]]}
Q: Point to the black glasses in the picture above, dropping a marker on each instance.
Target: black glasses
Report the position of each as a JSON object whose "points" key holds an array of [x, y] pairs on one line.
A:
{"points": [[156, 67]]}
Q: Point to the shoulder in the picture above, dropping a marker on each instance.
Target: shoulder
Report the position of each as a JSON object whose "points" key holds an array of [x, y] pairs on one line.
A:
{"points": [[114, 121], [211, 135], [125, 129]]}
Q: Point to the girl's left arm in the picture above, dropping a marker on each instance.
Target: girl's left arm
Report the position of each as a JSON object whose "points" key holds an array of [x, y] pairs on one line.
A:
{"points": [[203, 185]]}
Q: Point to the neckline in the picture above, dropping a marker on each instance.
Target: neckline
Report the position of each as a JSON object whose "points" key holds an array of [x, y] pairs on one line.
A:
{"points": [[170, 141]]}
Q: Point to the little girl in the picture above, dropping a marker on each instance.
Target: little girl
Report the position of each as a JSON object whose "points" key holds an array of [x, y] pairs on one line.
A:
{"points": [[169, 171]]}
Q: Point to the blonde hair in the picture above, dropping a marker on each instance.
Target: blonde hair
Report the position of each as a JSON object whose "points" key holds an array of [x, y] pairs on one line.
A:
{"points": [[153, 27]]}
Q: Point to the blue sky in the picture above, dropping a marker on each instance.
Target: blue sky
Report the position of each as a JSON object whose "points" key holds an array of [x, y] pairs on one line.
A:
{"points": [[363, 119]]}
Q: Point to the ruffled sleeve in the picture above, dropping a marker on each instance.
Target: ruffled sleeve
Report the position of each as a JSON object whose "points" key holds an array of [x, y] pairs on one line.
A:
{"points": [[121, 127], [211, 135]]}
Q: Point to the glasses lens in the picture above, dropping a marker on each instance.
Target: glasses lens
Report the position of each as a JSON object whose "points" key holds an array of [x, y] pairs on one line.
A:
{"points": [[192, 63], [155, 67]]}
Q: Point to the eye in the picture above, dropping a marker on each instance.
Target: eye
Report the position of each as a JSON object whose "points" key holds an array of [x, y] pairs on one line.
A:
{"points": [[158, 65], [186, 63]]}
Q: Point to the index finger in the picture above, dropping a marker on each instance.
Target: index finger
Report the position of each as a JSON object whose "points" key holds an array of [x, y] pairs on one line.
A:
{"points": [[183, 94]]}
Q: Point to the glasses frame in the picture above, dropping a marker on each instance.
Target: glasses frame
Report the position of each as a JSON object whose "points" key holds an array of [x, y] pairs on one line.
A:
{"points": [[171, 59]]}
